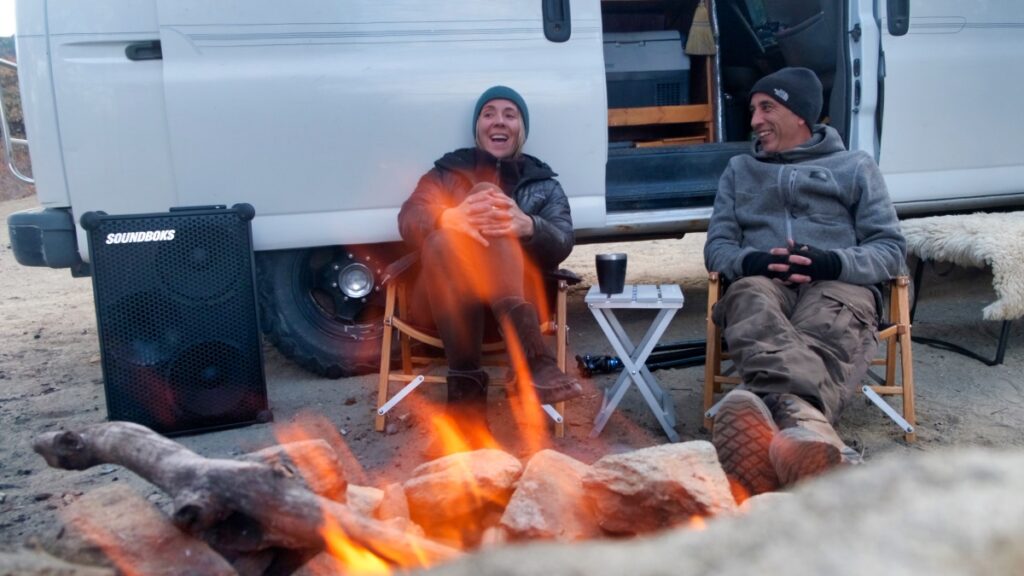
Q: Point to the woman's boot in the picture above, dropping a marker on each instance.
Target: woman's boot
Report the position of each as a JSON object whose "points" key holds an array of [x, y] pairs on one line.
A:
{"points": [[467, 411], [467, 399], [551, 384]]}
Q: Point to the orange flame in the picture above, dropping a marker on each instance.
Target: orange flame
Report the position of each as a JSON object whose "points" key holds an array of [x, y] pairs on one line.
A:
{"points": [[351, 556], [697, 523], [317, 469], [525, 406], [459, 436], [472, 272], [739, 493]]}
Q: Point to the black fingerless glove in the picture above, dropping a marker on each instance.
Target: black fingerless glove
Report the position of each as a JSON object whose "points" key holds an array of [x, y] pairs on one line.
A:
{"points": [[825, 264], [756, 264]]}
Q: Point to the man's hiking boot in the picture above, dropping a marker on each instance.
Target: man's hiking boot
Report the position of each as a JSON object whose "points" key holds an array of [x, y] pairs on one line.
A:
{"points": [[551, 384], [743, 430], [808, 444]]}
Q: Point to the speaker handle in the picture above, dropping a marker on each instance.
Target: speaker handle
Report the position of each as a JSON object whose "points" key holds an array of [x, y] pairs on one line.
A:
{"points": [[245, 211], [90, 220], [203, 207]]}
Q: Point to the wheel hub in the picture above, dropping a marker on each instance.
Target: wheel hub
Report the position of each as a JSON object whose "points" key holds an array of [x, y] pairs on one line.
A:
{"points": [[350, 282]]}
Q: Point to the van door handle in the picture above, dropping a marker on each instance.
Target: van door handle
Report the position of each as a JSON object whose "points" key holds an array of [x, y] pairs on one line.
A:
{"points": [[145, 50], [897, 14], [557, 24]]}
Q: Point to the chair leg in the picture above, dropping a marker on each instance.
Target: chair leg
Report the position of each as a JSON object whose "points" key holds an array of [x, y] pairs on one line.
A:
{"points": [[561, 347], [713, 350], [891, 349], [403, 339], [906, 355], [898, 348], [385, 358]]}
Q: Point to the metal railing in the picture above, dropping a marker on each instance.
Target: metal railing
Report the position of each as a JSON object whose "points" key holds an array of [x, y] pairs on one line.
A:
{"points": [[10, 141]]}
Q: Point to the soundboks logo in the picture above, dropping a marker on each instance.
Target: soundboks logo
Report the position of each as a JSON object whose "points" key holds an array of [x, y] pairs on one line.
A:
{"points": [[135, 237]]}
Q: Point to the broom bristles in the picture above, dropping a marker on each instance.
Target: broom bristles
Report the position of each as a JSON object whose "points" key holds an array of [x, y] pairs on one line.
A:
{"points": [[700, 41]]}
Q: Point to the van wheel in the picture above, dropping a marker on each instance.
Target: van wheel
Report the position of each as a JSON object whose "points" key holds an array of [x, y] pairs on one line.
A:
{"points": [[311, 320]]}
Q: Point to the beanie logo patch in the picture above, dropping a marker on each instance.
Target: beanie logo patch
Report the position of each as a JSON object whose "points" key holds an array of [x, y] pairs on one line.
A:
{"points": [[779, 92]]}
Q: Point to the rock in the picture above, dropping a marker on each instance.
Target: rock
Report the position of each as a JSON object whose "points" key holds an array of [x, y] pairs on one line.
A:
{"points": [[763, 500], [550, 502], [404, 525], [25, 562], [115, 527], [954, 513], [324, 564], [394, 504], [314, 462], [658, 487], [455, 498], [364, 500]]}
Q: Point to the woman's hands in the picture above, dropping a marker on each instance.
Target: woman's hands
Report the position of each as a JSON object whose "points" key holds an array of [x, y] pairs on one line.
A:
{"points": [[487, 213]]}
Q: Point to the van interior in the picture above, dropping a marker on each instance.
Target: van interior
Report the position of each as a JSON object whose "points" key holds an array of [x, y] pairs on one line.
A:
{"points": [[676, 118]]}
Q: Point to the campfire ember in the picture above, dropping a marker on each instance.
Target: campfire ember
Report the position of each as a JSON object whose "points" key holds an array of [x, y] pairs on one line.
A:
{"points": [[273, 511]]}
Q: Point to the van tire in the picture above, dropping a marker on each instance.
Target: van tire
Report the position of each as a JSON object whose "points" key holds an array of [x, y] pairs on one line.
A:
{"points": [[305, 331]]}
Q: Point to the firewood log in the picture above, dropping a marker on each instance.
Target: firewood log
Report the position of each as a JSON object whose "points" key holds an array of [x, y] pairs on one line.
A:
{"points": [[241, 505]]}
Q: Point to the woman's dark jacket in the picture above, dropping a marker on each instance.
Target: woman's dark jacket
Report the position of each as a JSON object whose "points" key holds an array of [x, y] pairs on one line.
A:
{"points": [[525, 179]]}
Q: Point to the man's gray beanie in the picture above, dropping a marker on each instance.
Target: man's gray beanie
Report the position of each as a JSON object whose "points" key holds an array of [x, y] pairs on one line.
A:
{"points": [[496, 92], [795, 88]]}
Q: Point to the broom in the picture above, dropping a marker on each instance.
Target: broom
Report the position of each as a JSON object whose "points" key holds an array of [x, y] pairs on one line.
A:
{"points": [[700, 41]]}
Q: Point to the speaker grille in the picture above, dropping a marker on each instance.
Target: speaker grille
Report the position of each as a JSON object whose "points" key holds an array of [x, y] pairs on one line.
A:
{"points": [[176, 311]]}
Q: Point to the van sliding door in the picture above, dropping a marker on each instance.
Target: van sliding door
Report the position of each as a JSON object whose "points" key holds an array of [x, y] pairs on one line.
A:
{"points": [[951, 120]]}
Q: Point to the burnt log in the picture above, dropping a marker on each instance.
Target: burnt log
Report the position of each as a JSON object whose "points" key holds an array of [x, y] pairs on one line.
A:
{"points": [[235, 505]]}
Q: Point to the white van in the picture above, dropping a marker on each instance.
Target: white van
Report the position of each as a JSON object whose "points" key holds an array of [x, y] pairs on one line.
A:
{"points": [[322, 114]]}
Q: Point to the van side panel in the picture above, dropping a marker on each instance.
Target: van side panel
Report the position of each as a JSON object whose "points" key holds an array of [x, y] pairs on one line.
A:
{"points": [[324, 114], [39, 106], [952, 91], [113, 132]]}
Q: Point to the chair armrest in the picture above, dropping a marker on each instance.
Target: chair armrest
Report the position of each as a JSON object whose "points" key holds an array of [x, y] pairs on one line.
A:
{"points": [[399, 267], [571, 278]]}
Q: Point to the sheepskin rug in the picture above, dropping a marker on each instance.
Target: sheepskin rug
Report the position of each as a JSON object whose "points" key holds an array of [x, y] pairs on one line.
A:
{"points": [[979, 240]]}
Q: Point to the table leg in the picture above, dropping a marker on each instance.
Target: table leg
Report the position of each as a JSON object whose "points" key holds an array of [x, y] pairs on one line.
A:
{"points": [[612, 397], [634, 370]]}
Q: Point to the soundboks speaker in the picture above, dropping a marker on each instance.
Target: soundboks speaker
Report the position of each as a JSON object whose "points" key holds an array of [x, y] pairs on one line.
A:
{"points": [[177, 319]]}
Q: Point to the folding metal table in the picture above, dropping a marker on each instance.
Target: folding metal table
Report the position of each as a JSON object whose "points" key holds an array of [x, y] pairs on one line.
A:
{"points": [[667, 300]]}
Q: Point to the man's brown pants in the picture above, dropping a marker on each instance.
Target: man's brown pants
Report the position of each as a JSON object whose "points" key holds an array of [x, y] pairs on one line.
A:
{"points": [[814, 340]]}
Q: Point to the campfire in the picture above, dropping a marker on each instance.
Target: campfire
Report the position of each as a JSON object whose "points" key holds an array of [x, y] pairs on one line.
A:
{"points": [[293, 505]]}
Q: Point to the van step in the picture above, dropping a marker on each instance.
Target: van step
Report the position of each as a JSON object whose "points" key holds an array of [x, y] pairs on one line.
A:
{"points": [[663, 178]]}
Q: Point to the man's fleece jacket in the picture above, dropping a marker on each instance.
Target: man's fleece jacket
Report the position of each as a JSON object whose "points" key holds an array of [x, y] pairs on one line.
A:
{"points": [[833, 199]]}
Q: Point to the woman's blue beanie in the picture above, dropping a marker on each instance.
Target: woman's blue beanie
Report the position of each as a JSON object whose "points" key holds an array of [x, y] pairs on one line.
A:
{"points": [[496, 92]]}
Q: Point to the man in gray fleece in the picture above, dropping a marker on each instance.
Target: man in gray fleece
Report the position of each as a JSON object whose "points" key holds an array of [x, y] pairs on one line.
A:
{"points": [[804, 229]]}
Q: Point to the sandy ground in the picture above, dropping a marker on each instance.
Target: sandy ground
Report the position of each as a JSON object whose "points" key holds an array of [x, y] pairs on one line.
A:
{"points": [[50, 379]]}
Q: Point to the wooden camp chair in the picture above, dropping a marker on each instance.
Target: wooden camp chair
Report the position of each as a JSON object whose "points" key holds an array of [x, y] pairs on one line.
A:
{"points": [[414, 368], [893, 335]]}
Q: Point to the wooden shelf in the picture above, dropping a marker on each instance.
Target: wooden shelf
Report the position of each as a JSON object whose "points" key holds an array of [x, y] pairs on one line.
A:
{"points": [[680, 141], [700, 117], [646, 116]]}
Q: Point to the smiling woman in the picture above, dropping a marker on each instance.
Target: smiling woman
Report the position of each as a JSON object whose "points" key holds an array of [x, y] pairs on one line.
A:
{"points": [[482, 220]]}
